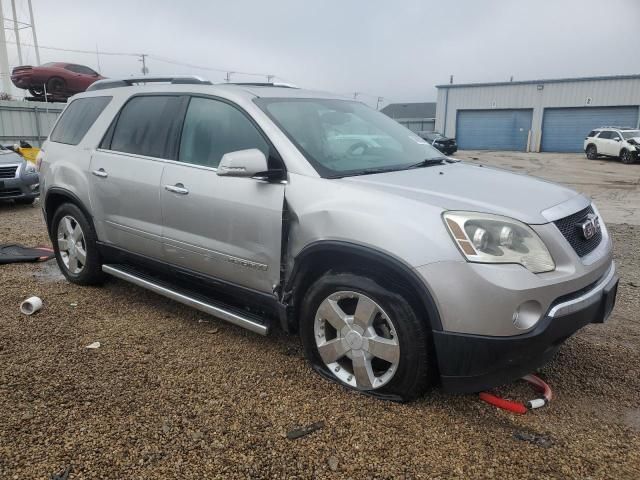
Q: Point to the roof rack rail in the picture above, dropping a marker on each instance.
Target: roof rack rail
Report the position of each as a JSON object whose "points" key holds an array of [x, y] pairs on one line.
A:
{"points": [[128, 82], [262, 84], [619, 128]]}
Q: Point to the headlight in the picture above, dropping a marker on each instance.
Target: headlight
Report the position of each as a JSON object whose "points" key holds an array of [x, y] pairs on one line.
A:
{"points": [[29, 168], [486, 238]]}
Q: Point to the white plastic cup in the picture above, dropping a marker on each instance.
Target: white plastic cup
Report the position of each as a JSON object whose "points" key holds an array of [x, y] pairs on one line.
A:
{"points": [[31, 305]]}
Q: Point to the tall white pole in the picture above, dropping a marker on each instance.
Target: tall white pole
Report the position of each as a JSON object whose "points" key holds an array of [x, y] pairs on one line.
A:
{"points": [[16, 31], [33, 30], [4, 56]]}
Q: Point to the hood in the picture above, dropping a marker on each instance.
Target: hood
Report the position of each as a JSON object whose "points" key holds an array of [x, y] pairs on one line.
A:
{"points": [[466, 186], [7, 156]]}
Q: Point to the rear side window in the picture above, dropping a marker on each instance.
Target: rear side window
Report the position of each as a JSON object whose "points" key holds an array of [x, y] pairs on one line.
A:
{"points": [[592, 133], [606, 135], [213, 128], [77, 119], [148, 125]]}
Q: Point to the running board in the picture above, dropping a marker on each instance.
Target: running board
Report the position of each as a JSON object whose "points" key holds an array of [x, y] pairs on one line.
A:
{"points": [[192, 299]]}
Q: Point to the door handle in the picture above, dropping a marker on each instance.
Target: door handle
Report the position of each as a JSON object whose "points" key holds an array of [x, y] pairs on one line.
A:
{"points": [[100, 173], [177, 188]]}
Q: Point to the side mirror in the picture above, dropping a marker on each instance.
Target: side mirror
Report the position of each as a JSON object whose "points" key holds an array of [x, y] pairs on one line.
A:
{"points": [[243, 163]]}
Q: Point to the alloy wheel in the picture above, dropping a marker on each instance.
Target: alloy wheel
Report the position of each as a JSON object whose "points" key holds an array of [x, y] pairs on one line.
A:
{"points": [[72, 244], [356, 340]]}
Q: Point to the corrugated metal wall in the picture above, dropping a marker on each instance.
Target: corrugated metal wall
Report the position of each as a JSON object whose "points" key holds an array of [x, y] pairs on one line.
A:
{"points": [[29, 121], [537, 96]]}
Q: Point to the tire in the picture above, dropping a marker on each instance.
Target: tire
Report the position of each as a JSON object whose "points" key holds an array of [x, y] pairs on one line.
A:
{"points": [[406, 371], [626, 157], [23, 201], [592, 152], [87, 269], [56, 85], [36, 92]]}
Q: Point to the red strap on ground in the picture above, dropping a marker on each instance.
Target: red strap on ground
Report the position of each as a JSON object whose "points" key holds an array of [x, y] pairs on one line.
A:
{"points": [[515, 407], [518, 407]]}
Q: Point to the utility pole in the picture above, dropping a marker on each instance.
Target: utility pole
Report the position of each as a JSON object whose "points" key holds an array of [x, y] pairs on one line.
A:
{"points": [[380, 99], [33, 32], [4, 56], [16, 31], [270, 78], [143, 59], [98, 59], [355, 95], [227, 77]]}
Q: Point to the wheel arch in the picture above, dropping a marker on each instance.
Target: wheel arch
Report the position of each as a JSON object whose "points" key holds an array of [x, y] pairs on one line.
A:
{"points": [[55, 197], [320, 257]]}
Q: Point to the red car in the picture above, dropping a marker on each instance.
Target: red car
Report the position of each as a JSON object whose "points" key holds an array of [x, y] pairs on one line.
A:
{"points": [[61, 79]]}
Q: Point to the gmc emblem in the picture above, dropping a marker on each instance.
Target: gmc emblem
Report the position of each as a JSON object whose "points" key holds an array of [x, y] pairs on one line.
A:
{"points": [[590, 226]]}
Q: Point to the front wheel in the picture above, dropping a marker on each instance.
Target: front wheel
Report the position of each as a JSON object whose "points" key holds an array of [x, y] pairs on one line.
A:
{"points": [[592, 152], [74, 244], [626, 157], [368, 338]]}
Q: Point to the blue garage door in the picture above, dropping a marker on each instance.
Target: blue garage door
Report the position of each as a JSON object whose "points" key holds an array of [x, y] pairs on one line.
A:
{"points": [[564, 129], [493, 129]]}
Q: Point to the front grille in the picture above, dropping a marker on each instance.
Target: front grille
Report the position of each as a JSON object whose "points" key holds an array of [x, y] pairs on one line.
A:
{"points": [[10, 192], [572, 231], [8, 172]]}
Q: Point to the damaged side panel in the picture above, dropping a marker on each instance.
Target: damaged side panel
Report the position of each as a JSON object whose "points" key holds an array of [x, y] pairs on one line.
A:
{"points": [[317, 210]]}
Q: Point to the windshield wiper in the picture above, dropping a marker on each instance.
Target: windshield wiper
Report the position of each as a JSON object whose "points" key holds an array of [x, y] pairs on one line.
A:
{"points": [[428, 162]]}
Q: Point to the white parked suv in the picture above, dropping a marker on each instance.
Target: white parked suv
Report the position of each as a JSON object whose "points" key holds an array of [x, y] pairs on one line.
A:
{"points": [[269, 206], [620, 142]]}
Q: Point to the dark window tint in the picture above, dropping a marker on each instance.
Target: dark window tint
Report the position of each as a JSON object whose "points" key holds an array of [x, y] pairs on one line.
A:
{"points": [[77, 119], [213, 128], [592, 133], [148, 126], [80, 69], [606, 135]]}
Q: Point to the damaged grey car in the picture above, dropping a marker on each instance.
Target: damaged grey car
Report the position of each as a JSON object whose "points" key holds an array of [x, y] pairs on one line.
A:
{"points": [[268, 205]]}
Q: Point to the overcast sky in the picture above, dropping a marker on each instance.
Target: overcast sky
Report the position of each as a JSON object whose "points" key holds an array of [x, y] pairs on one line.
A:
{"points": [[397, 49]]}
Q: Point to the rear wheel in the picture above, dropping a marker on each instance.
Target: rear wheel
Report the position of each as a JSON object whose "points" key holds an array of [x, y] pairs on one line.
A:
{"points": [[626, 157], [365, 337], [592, 152], [74, 244], [56, 86]]}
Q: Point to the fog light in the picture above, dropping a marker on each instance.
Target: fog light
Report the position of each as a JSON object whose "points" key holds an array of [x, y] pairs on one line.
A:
{"points": [[527, 315]]}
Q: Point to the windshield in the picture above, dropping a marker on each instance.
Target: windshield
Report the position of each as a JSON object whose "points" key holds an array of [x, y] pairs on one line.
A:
{"points": [[341, 137], [630, 134]]}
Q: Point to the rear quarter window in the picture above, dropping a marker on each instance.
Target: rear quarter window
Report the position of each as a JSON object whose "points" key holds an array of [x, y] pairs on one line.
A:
{"points": [[592, 133], [77, 119]]}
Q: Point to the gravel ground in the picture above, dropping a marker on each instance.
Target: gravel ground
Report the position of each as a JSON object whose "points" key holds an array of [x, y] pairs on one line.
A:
{"points": [[172, 393]]}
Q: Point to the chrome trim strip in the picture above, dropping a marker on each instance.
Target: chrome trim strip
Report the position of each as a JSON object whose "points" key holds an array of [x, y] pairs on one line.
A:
{"points": [[586, 299], [564, 209], [218, 312]]}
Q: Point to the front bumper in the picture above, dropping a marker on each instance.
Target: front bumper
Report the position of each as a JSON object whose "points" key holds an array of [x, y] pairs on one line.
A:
{"points": [[471, 363], [25, 186]]}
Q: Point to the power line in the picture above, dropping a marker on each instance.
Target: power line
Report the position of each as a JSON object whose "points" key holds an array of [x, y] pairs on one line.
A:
{"points": [[154, 57]]}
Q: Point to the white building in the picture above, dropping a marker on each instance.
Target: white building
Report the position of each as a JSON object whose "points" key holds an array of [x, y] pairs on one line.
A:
{"points": [[537, 115]]}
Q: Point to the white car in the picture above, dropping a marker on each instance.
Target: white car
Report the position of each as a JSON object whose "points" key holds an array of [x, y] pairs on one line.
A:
{"points": [[620, 142]]}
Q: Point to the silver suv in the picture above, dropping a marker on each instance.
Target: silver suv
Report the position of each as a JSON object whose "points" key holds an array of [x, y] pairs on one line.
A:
{"points": [[266, 205]]}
